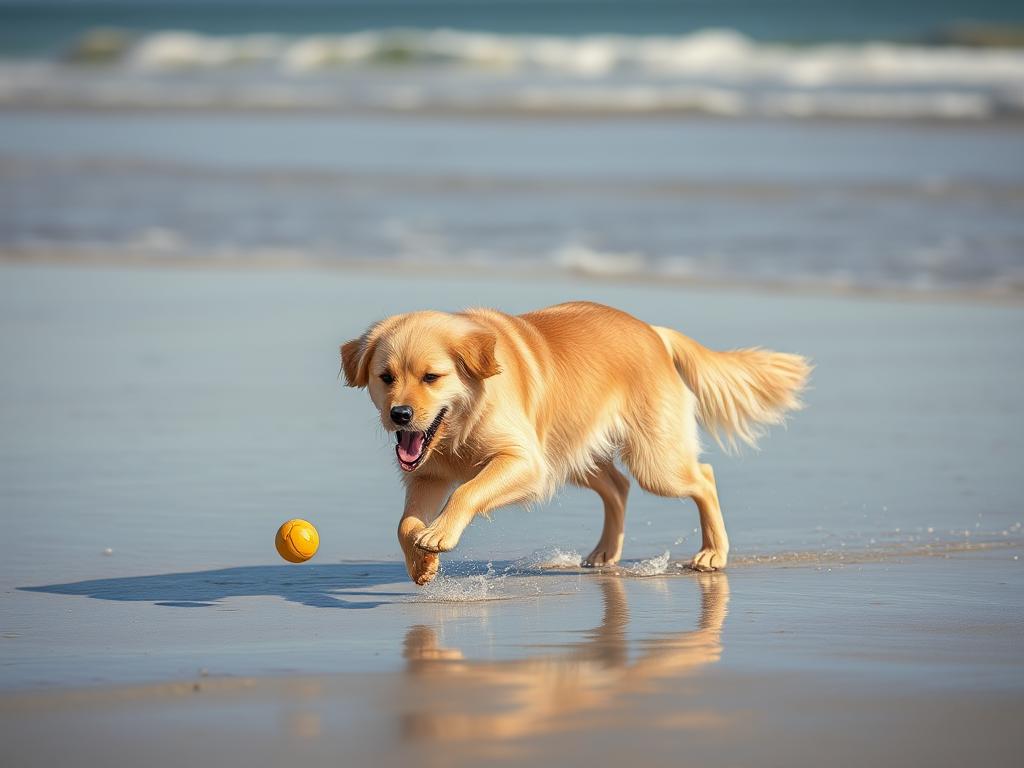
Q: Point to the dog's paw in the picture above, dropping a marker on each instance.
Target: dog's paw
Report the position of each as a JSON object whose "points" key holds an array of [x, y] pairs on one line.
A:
{"points": [[709, 560], [423, 569], [601, 555], [436, 538]]}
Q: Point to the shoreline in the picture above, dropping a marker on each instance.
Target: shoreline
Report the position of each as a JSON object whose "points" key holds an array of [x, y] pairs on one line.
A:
{"points": [[999, 121], [297, 262], [464, 588], [870, 655]]}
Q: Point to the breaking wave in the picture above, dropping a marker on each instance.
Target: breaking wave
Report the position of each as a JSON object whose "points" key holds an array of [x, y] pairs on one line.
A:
{"points": [[717, 53], [717, 71]]}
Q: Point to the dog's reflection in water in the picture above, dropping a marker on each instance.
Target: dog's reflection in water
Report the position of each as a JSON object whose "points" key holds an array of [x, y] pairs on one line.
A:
{"points": [[587, 685]]}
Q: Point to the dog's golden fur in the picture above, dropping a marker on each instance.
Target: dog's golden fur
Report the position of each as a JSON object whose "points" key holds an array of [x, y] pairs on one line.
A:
{"points": [[517, 406]]}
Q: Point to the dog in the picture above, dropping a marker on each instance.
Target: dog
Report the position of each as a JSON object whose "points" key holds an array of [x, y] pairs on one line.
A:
{"points": [[490, 409]]}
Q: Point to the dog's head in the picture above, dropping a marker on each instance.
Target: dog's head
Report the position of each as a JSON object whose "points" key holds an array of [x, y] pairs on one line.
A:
{"points": [[424, 372]]}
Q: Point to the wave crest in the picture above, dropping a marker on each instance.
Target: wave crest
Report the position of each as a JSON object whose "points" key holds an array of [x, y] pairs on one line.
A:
{"points": [[717, 72], [721, 54]]}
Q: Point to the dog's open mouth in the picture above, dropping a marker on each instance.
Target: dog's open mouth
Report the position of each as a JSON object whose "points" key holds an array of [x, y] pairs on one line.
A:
{"points": [[412, 445]]}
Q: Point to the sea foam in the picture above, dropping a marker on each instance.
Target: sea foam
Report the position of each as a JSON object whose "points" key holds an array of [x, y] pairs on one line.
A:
{"points": [[716, 71], [721, 54]]}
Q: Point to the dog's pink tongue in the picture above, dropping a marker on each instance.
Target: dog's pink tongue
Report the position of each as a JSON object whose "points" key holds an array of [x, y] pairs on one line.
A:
{"points": [[410, 445]]}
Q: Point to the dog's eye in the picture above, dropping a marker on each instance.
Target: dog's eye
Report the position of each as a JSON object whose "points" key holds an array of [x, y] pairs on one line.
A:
{"points": [[430, 377], [387, 378]]}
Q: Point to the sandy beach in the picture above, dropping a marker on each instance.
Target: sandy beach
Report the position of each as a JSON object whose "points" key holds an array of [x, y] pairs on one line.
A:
{"points": [[872, 611], [771, 665], [200, 201]]}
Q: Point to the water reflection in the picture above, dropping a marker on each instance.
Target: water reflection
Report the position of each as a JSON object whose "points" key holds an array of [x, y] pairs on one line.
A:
{"points": [[601, 680]]}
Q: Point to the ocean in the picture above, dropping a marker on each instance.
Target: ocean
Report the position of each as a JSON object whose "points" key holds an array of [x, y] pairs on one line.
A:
{"points": [[950, 60], [783, 143]]}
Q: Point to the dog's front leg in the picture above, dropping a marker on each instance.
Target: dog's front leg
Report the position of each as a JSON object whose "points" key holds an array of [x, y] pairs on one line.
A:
{"points": [[423, 498], [504, 480]]}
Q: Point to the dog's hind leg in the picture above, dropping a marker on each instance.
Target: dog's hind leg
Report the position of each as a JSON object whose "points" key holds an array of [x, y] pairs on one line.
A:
{"points": [[664, 461], [714, 548], [613, 487], [695, 481]]}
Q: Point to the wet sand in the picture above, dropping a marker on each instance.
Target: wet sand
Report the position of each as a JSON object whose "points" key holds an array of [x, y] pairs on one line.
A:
{"points": [[873, 611], [909, 661]]}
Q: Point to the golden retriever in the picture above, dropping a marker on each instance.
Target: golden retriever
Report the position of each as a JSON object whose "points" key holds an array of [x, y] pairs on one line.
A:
{"points": [[506, 409]]}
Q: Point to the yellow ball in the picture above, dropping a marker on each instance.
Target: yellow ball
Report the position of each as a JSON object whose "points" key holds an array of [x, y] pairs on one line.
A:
{"points": [[297, 541]]}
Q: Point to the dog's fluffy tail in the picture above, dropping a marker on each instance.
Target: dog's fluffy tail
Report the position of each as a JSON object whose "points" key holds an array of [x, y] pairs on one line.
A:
{"points": [[741, 391]]}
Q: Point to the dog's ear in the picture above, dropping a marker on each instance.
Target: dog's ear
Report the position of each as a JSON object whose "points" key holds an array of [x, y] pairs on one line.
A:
{"points": [[356, 356], [474, 354]]}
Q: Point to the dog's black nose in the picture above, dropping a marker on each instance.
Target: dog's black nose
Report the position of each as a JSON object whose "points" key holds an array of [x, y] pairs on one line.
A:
{"points": [[401, 415]]}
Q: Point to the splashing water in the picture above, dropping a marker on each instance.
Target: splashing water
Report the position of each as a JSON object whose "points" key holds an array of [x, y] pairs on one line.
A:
{"points": [[447, 588], [654, 566], [552, 557], [509, 581]]}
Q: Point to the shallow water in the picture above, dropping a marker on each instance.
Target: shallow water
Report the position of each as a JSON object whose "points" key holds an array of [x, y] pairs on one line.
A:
{"points": [[906, 206], [157, 425], [176, 417], [760, 664]]}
